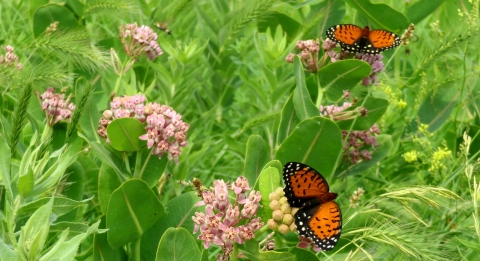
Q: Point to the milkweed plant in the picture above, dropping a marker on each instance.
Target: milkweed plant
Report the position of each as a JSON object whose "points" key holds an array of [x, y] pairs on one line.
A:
{"points": [[123, 141]]}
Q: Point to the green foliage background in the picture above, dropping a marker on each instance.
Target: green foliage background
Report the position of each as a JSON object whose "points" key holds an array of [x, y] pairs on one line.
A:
{"points": [[224, 71]]}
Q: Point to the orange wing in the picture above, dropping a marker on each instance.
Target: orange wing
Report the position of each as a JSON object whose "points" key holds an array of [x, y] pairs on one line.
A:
{"points": [[303, 184], [384, 40], [346, 34], [322, 224]]}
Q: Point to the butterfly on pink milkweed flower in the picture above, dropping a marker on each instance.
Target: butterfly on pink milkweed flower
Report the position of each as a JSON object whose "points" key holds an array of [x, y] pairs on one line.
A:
{"points": [[354, 39]]}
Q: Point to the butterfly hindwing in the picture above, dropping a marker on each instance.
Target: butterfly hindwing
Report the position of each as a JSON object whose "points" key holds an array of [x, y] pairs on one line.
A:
{"points": [[321, 223], [302, 183], [383, 40]]}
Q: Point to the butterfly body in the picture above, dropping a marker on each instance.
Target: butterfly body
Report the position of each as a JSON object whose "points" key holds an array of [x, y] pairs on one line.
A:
{"points": [[319, 217], [353, 38]]}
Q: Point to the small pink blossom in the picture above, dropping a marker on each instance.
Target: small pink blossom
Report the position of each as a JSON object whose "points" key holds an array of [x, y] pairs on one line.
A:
{"points": [[240, 185]]}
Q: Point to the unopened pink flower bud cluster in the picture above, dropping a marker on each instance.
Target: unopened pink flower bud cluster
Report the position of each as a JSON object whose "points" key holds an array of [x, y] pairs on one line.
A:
{"points": [[308, 54], [358, 142], [137, 40], [166, 132], [219, 223], [10, 59], [55, 107]]}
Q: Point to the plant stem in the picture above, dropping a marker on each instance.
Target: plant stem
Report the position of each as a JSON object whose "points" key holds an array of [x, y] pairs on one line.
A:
{"points": [[339, 157], [320, 91], [136, 250], [234, 255]]}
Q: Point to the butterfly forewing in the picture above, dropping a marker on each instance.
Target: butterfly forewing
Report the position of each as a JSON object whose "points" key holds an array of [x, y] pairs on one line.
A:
{"points": [[344, 33], [322, 224], [302, 183], [384, 40]]}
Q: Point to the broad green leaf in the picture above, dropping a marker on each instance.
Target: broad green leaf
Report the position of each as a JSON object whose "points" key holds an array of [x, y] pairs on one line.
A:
{"points": [[124, 134], [324, 14], [316, 142], [59, 134], [47, 14], [6, 253], [89, 119], [256, 156], [75, 189], [178, 213], [152, 167], [289, 25], [303, 254], [342, 75], [381, 151], [304, 106], [274, 164], [103, 251], [419, 10], [288, 120], [380, 15], [5, 158], [252, 251], [25, 183], [438, 105], [376, 108], [34, 234], [268, 182], [177, 244], [133, 208], [105, 155]]}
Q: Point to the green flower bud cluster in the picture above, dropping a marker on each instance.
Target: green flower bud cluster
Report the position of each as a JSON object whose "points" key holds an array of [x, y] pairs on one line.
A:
{"points": [[282, 216]]}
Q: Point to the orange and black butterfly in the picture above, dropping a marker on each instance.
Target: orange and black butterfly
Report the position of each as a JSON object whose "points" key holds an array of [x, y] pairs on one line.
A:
{"points": [[319, 217], [353, 38]]}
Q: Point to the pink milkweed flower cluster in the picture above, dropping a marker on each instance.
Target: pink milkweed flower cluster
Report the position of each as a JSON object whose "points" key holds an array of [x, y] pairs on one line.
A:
{"points": [[10, 59], [137, 40], [377, 65], [308, 54], [166, 132], [220, 222], [329, 48], [356, 146], [56, 107]]}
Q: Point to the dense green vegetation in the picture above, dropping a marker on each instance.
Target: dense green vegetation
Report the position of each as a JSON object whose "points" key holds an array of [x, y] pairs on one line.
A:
{"points": [[216, 77]]}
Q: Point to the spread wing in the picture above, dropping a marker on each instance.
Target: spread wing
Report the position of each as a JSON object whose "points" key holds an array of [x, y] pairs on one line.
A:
{"points": [[303, 184], [322, 224]]}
